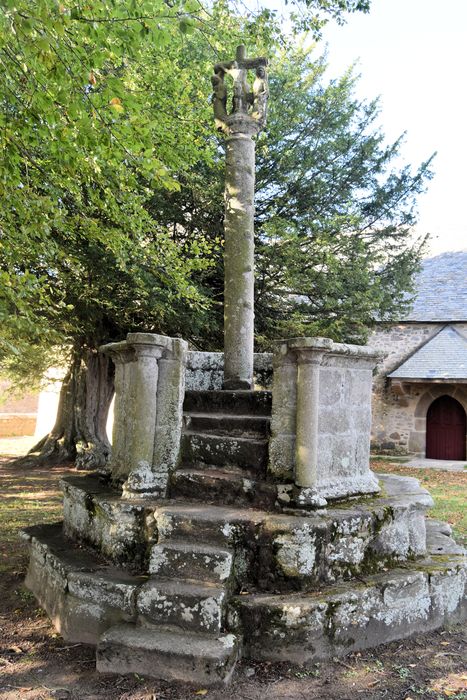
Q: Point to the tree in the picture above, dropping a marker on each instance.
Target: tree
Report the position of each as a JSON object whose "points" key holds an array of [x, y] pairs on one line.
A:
{"points": [[335, 212], [95, 114], [103, 104]]}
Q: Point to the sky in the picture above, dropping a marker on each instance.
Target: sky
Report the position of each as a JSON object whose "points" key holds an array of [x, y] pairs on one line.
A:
{"points": [[413, 53]]}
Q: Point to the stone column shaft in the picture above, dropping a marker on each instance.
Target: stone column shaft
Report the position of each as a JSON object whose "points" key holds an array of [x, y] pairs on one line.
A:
{"points": [[246, 118], [239, 261]]}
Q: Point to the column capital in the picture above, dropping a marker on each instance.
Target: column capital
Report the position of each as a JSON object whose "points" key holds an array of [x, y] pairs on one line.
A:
{"points": [[310, 343], [310, 357], [240, 125], [308, 350], [120, 352], [156, 345]]}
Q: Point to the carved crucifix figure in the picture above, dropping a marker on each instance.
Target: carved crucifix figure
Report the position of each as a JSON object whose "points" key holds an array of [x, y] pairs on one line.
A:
{"points": [[244, 120]]}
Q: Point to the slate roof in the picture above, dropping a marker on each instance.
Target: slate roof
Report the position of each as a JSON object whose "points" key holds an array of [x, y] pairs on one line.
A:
{"points": [[441, 287], [442, 357]]}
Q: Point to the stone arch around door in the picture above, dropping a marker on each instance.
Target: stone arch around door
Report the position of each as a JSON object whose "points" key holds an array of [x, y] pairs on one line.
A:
{"points": [[457, 392]]}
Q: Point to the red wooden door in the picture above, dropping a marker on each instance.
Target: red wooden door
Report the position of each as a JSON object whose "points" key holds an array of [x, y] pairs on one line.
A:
{"points": [[445, 429]]}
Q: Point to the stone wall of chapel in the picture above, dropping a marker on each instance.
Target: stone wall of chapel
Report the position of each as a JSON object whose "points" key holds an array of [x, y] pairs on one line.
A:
{"points": [[399, 421]]}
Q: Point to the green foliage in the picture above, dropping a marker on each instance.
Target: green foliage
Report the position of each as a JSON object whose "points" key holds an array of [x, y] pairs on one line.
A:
{"points": [[111, 190], [98, 109], [313, 15], [334, 213]]}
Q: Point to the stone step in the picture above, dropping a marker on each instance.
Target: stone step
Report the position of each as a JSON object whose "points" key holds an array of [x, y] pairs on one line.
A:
{"points": [[227, 424], [194, 522], [78, 589], [168, 655], [189, 605], [223, 450], [234, 402], [211, 485], [190, 560], [439, 540], [339, 619]]}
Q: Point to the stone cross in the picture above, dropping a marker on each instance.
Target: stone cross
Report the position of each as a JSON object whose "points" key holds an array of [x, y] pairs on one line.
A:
{"points": [[243, 120]]}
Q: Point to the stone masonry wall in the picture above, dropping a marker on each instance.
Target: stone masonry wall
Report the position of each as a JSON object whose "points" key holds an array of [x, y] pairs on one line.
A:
{"points": [[17, 413], [205, 370], [399, 415]]}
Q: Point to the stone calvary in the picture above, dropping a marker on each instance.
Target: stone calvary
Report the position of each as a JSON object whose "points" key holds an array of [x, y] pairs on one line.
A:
{"points": [[239, 516]]}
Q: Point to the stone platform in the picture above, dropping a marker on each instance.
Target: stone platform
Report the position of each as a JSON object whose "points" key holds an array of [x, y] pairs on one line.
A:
{"points": [[242, 522], [356, 536], [312, 587]]}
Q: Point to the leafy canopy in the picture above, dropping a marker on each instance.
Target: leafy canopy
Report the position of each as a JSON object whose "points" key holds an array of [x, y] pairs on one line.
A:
{"points": [[111, 189], [96, 112]]}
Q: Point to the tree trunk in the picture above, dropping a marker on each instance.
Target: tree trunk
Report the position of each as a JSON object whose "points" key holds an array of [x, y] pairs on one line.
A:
{"points": [[79, 432]]}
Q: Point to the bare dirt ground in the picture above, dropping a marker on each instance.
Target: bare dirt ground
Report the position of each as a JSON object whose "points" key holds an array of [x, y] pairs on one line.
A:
{"points": [[36, 663]]}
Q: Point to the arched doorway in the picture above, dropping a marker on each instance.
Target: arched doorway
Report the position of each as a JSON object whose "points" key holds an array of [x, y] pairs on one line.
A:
{"points": [[445, 429]]}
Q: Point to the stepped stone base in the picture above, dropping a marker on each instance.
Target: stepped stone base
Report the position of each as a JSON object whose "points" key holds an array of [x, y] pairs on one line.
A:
{"points": [[271, 549], [92, 602], [228, 564], [231, 557]]}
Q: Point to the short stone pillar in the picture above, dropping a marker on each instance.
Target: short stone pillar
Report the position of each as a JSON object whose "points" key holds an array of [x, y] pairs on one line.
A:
{"points": [[309, 357], [321, 419], [149, 392]]}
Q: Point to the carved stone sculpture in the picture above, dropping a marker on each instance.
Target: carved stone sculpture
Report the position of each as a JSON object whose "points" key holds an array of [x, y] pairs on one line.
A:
{"points": [[252, 103]]}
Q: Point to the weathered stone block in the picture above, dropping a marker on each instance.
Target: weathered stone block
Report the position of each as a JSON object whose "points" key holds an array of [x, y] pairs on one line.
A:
{"points": [[251, 453], [296, 552], [205, 371], [191, 606], [320, 427], [114, 589], [168, 654], [81, 603], [95, 514], [282, 456], [190, 560], [305, 628]]}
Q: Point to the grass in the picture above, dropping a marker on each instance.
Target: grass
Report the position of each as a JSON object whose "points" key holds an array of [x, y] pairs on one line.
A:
{"points": [[449, 491], [28, 497], [16, 446]]}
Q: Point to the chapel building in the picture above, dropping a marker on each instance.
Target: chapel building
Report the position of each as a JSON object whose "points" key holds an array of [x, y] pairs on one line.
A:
{"points": [[420, 387]]}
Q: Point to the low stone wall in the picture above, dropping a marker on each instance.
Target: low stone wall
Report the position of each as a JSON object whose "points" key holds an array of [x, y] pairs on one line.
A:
{"points": [[17, 424], [205, 370], [321, 416]]}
